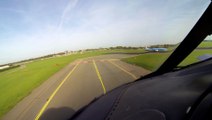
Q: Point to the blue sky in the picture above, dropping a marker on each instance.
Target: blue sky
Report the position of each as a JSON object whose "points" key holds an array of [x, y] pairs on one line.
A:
{"points": [[32, 28]]}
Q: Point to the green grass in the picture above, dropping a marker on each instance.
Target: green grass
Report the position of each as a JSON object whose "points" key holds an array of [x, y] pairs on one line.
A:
{"points": [[205, 44], [17, 83], [154, 60], [149, 61], [192, 58]]}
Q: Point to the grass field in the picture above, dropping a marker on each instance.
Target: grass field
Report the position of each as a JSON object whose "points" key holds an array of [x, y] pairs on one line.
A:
{"points": [[205, 44], [154, 60], [149, 61], [192, 58]]}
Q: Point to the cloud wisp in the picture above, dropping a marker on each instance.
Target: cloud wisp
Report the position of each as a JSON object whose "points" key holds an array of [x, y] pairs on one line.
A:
{"points": [[71, 5]]}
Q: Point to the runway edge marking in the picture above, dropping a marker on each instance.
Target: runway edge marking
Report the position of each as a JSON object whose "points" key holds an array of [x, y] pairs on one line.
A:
{"points": [[99, 76], [123, 70], [53, 94]]}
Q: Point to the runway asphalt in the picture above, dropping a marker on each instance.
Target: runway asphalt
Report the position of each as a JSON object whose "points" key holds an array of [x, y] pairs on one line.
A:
{"points": [[75, 86]]}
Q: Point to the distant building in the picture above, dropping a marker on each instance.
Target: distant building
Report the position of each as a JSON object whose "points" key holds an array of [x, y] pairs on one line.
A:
{"points": [[4, 67]]}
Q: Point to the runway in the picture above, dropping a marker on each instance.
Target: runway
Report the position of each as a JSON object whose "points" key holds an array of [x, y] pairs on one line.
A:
{"points": [[75, 86]]}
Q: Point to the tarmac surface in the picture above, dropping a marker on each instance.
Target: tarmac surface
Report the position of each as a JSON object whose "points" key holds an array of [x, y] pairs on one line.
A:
{"points": [[73, 87]]}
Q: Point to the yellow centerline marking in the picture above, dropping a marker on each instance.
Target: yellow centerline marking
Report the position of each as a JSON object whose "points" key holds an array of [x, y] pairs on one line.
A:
{"points": [[53, 94], [124, 70], [99, 76]]}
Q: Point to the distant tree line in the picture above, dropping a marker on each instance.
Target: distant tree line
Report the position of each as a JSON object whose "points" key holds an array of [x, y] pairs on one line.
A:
{"points": [[162, 46], [63, 53], [32, 59], [207, 41], [130, 47], [125, 47]]}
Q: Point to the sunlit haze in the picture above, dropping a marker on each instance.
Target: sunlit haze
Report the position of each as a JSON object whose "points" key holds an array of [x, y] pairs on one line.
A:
{"points": [[32, 28]]}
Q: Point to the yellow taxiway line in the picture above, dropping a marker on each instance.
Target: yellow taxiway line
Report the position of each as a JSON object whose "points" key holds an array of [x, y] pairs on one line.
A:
{"points": [[99, 76], [123, 70], [55, 91]]}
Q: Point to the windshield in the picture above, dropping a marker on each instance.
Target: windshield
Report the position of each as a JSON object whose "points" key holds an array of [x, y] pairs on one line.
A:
{"points": [[57, 56]]}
